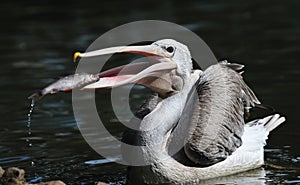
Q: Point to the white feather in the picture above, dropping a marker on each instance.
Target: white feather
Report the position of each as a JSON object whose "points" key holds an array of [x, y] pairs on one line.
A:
{"points": [[254, 139]]}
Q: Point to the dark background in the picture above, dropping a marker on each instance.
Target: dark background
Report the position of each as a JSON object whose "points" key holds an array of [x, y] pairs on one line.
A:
{"points": [[38, 39]]}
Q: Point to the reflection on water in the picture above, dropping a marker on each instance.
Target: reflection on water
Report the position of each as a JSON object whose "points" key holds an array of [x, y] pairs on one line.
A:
{"points": [[255, 177], [39, 37]]}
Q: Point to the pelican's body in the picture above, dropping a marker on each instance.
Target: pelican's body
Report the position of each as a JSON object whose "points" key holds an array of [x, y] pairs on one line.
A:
{"points": [[195, 127], [213, 119]]}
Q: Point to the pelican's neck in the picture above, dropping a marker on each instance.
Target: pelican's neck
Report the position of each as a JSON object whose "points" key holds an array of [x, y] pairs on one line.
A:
{"points": [[169, 110], [161, 120]]}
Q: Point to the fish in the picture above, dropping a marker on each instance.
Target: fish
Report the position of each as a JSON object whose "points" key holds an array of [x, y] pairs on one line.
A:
{"points": [[65, 84]]}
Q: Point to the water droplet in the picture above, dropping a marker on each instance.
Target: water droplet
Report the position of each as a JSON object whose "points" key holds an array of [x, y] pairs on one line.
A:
{"points": [[29, 123], [29, 129]]}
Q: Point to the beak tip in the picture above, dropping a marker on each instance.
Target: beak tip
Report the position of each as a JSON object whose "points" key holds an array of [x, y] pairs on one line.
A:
{"points": [[76, 55]]}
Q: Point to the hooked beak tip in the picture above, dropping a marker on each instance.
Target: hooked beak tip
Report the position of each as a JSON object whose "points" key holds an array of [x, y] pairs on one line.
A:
{"points": [[76, 55]]}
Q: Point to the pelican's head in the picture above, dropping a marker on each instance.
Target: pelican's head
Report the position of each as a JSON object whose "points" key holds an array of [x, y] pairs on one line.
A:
{"points": [[170, 66], [178, 53]]}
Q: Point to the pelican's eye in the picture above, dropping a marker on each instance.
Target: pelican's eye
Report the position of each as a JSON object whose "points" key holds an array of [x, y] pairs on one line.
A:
{"points": [[170, 49]]}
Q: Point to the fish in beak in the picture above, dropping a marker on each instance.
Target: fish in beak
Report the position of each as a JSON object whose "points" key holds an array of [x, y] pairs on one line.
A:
{"points": [[159, 74]]}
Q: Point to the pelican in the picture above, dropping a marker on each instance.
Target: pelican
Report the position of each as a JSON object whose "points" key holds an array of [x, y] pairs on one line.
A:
{"points": [[195, 127]]}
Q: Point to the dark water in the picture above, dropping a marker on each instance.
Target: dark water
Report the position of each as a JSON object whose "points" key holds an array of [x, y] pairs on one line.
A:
{"points": [[38, 39]]}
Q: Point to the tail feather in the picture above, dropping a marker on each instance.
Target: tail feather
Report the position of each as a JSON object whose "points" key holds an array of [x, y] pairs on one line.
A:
{"points": [[274, 122], [256, 132], [269, 122]]}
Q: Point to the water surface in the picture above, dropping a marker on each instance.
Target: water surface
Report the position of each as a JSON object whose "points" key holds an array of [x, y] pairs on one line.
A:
{"points": [[38, 39]]}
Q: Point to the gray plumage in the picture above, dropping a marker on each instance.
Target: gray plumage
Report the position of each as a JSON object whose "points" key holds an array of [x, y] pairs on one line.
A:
{"points": [[213, 128], [219, 117]]}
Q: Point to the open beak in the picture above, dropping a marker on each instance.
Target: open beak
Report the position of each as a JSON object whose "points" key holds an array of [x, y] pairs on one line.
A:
{"points": [[154, 74]]}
